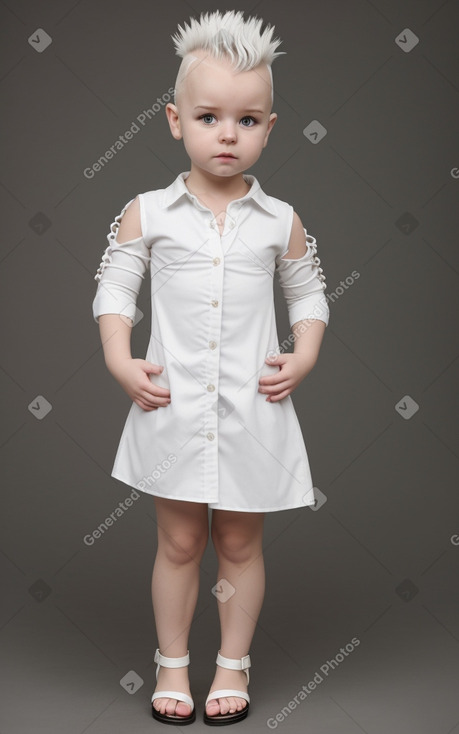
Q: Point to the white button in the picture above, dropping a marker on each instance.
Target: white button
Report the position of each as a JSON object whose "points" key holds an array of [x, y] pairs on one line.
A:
{"points": [[214, 303], [211, 388], [210, 436], [212, 344], [216, 261]]}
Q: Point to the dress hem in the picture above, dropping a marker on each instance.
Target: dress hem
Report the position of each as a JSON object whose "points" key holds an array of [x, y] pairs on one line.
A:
{"points": [[213, 502]]}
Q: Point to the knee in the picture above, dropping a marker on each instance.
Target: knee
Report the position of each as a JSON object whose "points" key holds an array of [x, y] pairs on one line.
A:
{"points": [[234, 546], [181, 548]]}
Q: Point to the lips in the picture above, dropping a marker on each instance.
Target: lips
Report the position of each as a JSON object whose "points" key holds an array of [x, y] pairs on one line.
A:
{"points": [[225, 155]]}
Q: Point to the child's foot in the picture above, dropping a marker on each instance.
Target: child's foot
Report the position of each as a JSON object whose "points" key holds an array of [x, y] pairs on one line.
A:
{"points": [[225, 678], [172, 679]]}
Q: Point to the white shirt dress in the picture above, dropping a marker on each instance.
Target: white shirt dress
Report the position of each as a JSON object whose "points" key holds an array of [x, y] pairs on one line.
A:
{"points": [[212, 326]]}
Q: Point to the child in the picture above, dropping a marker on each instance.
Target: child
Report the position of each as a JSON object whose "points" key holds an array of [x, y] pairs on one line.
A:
{"points": [[212, 424]]}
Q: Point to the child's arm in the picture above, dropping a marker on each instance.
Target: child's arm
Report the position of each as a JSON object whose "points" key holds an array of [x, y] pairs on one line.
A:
{"points": [[115, 335], [132, 374], [303, 285], [308, 333], [115, 332], [120, 276]]}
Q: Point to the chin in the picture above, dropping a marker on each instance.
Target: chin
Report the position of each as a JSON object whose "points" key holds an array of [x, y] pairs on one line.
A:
{"points": [[228, 171]]}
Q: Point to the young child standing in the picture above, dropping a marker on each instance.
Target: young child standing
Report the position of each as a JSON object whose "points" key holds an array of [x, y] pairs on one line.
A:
{"points": [[212, 424]]}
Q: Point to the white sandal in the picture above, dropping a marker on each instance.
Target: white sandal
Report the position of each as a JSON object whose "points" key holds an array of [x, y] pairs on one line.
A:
{"points": [[178, 695], [243, 663]]}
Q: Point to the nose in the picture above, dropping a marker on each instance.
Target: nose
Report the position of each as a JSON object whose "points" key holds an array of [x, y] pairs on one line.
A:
{"points": [[227, 133]]}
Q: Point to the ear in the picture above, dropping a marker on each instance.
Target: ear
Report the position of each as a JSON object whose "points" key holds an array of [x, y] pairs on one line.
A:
{"points": [[272, 120], [173, 120]]}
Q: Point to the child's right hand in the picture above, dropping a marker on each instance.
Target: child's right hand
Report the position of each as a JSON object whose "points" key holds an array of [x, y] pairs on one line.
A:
{"points": [[133, 376]]}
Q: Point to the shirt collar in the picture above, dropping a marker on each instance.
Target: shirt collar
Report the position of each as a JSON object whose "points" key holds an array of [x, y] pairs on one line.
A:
{"points": [[178, 188]]}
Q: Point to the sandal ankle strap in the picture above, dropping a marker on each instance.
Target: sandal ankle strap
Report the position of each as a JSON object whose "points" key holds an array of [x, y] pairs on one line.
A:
{"points": [[171, 662], [243, 663]]}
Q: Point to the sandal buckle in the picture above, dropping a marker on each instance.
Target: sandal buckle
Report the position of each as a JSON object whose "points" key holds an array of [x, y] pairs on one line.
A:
{"points": [[245, 660]]}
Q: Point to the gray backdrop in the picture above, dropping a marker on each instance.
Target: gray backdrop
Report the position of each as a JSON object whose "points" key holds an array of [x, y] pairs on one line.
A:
{"points": [[362, 591]]}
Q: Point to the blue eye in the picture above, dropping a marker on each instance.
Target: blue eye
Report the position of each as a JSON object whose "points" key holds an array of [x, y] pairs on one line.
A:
{"points": [[250, 120], [247, 121], [207, 118]]}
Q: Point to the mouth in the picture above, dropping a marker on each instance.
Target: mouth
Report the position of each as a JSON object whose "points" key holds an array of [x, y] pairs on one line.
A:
{"points": [[225, 155]]}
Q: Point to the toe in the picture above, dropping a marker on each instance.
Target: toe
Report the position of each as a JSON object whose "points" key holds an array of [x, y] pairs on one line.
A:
{"points": [[183, 709], [224, 705], [236, 704], [170, 706], [213, 707], [159, 704]]}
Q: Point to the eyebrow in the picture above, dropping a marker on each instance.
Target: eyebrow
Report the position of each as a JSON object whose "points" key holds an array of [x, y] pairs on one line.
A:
{"points": [[211, 107]]}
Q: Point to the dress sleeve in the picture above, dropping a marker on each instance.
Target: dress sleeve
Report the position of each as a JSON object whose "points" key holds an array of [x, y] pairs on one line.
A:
{"points": [[303, 285], [120, 273]]}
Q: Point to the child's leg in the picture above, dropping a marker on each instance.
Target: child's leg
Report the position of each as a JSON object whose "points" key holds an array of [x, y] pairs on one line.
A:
{"points": [[183, 530], [238, 541]]}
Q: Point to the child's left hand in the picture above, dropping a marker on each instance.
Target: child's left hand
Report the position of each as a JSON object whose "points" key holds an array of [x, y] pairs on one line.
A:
{"points": [[293, 369]]}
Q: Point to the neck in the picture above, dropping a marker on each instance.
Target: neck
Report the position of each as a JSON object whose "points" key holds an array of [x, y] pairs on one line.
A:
{"points": [[219, 187]]}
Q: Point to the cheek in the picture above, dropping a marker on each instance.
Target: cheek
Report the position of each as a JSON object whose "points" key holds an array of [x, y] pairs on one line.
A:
{"points": [[190, 135], [195, 133], [258, 138]]}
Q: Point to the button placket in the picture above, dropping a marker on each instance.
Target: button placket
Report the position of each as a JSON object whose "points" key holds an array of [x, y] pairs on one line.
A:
{"points": [[211, 341], [217, 272], [229, 223]]}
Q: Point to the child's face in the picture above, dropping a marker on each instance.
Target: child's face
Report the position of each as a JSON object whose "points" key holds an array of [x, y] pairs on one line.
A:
{"points": [[220, 111]]}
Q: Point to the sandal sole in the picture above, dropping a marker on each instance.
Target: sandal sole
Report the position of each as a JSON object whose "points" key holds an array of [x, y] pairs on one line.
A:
{"points": [[223, 719], [171, 719]]}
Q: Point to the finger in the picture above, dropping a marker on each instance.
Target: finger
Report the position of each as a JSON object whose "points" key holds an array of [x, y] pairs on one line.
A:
{"points": [[157, 389], [155, 396], [153, 399], [148, 399], [161, 403], [269, 389], [280, 396], [144, 406], [275, 379], [269, 379]]}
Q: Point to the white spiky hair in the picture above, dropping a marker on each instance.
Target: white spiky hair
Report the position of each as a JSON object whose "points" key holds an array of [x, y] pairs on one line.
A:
{"points": [[227, 35]]}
